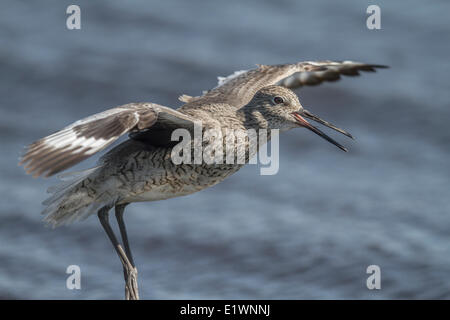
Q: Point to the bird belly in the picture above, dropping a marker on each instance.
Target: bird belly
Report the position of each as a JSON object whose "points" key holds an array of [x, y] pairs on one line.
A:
{"points": [[180, 182], [160, 192]]}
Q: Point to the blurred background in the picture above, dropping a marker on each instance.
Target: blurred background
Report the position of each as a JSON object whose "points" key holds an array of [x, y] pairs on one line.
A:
{"points": [[308, 232]]}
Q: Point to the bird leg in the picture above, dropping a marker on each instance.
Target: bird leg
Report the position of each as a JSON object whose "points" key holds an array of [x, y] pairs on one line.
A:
{"points": [[130, 271], [130, 275], [120, 209]]}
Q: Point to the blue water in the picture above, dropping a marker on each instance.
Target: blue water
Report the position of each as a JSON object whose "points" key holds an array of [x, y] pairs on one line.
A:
{"points": [[308, 232]]}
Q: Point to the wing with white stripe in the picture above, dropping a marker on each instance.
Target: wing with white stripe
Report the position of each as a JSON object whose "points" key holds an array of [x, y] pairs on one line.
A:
{"points": [[238, 88], [85, 137], [331, 71]]}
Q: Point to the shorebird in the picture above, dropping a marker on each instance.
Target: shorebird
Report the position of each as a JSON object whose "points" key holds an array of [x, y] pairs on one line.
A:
{"points": [[140, 169]]}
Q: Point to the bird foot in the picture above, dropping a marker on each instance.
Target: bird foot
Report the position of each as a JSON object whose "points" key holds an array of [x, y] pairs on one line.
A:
{"points": [[130, 273], [131, 285]]}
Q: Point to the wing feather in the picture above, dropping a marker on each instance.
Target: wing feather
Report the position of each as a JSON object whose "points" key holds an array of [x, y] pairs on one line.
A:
{"points": [[85, 137], [238, 88]]}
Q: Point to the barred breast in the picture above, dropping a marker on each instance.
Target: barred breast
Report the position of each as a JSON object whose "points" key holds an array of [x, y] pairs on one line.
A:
{"points": [[145, 173]]}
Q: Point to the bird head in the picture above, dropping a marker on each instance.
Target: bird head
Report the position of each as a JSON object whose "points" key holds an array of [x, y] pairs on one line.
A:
{"points": [[275, 107]]}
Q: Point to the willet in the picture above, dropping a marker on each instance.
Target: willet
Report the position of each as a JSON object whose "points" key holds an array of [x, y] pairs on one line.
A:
{"points": [[140, 169]]}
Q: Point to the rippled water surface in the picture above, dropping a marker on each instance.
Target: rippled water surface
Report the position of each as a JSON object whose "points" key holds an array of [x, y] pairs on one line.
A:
{"points": [[308, 232]]}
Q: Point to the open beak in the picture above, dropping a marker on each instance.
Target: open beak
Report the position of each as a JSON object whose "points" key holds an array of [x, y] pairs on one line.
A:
{"points": [[300, 117], [309, 115]]}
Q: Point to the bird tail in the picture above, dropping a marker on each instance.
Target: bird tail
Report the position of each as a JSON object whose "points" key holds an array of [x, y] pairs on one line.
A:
{"points": [[73, 199]]}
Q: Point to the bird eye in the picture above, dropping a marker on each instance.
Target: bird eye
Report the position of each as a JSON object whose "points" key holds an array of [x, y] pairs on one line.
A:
{"points": [[278, 100]]}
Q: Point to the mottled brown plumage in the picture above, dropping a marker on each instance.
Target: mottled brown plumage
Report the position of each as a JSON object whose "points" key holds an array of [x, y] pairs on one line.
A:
{"points": [[141, 168]]}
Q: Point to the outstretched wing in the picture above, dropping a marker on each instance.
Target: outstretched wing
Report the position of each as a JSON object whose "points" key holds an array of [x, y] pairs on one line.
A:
{"points": [[331, 71], [239, 88], [85, 137]]}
